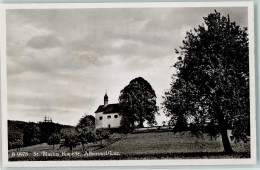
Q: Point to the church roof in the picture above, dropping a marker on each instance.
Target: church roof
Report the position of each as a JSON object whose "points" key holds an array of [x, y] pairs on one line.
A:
{"points": [[110, 108]]}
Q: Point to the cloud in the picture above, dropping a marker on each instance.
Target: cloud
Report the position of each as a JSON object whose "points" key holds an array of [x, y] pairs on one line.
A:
{"points": [[60, 101], [60, 61], [44, 41]]}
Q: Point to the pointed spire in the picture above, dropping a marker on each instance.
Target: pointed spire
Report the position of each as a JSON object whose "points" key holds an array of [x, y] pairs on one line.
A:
{"points": [[106, 99]]}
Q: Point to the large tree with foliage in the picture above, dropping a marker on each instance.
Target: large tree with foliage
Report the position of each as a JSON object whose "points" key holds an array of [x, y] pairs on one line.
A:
{"points": [[138, 102], [86, 130], [212, 79]]}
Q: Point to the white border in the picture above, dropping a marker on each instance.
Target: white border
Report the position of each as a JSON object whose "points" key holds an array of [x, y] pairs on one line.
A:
{"points": [[251, 160]]}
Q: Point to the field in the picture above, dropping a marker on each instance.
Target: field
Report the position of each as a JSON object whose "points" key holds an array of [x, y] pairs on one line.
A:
{"points": [[153, 145]]}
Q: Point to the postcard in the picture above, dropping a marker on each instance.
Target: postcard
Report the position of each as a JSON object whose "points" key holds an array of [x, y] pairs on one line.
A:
{"points": [[128, 84]]}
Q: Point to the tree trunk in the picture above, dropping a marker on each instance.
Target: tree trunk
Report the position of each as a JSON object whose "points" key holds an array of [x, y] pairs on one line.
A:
{"points": [[132, 125], [141, 124], [223, 132], [225, 141], [83, 148], [53, 147]]}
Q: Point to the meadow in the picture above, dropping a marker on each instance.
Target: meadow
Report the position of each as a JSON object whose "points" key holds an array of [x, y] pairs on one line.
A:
{"points": [[152, 145]]}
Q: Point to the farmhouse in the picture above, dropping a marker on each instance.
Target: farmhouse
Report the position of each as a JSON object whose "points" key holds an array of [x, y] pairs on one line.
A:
{"points": [[107, 115]]}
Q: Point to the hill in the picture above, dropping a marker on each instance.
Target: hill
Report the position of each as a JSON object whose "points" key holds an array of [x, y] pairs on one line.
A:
{"points": [[16, 129], [151, 145]]}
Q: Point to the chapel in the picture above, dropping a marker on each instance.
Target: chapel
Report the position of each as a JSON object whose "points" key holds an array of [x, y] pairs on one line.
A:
{"points": [[107, 115]]}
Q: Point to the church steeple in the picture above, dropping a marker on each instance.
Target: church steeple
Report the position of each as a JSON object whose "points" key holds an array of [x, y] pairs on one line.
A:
{"points": [[105, 100]]}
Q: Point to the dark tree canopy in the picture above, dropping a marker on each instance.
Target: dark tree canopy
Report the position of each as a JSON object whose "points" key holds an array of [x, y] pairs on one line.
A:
{"points": [[138, 102], [31, 135], [212, 79]]}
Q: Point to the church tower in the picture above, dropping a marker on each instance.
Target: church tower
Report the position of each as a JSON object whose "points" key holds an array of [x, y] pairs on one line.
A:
{"points": [[105, 100]]}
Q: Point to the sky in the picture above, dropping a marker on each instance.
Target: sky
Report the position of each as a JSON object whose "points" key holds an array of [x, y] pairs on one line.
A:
{"points": [[61, 61]]}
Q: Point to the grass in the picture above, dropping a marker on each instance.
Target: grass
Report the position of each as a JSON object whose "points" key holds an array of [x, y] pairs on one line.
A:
{"points": [[160, 145], [168, 142]]}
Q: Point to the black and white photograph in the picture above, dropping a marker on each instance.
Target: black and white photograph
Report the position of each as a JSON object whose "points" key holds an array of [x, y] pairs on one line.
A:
{"points": [[125, 83]]}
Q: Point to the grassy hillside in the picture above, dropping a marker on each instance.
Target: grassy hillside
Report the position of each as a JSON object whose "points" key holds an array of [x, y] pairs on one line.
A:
{"points": [[168, 142], [153, 145]]}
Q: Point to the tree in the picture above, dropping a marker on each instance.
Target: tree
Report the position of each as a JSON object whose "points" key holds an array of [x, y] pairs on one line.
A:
{"points": [[212, 79], [71, 140], [174, 106], [54, 139], [86, 130], [31, 135], [138, 102]]}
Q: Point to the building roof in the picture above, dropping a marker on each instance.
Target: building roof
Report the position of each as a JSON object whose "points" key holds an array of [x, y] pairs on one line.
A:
{"points": [[110, 108]]}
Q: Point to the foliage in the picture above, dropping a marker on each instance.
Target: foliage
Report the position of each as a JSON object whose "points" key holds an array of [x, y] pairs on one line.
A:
{"points": [[212, 79], [31, 134], [15, 139], [196, 129], [138, 102], [16, 132], [16, 144], [212, 130], [47, 129], [102, 134], [54, 139], [86, 130], [126, 125], [180, 124], [71, 140], [66, 131]]}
